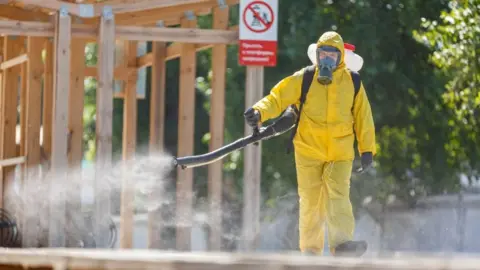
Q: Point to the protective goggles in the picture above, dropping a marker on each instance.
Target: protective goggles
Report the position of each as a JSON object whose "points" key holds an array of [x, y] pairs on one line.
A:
{"points": [[330, 52]]}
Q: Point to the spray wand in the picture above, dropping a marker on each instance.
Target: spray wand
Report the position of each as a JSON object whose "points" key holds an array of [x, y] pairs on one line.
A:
{"points": [[284, 123]]}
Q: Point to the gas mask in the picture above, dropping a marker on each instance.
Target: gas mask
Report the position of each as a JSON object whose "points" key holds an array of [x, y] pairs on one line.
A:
{"points": [[328, 58]]}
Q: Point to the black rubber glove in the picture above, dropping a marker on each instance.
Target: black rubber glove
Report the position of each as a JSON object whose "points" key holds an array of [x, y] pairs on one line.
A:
{"points": [[252, 117], [367, 161]]}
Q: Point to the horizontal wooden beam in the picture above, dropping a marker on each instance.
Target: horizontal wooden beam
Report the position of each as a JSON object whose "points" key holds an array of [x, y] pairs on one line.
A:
{"points": [[173, 51], [122, 6], [16, 13], [120, 73], [153, 15], [14, 61], [43, 29], [57, 258], [12, 161], [185, 35], [56, 5], [136, 33], [116, 6], [121, 95]]}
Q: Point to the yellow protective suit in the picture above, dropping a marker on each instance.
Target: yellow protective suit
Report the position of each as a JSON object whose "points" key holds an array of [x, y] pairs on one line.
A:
{"points": [[324, 147]]}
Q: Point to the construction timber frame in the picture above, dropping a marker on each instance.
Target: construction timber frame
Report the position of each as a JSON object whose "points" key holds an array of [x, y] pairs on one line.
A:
{"points": [[51, 125]]}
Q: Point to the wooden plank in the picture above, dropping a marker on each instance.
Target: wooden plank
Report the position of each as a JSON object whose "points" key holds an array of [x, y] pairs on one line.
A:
{"points": [[121, 95], [184, 35], [1, 49], [122, 6], [252, 165], [106, 64], [170, 15], [133, 33], [75, 127], [45, 29], [217, 118], [153, 15], [47, 114], [173, 51], [9, 101], [129, 147], [14, 61], [20, 177], [157, 129], [117, 6], [20, 14], [23, 109], [186, 118], [150, 259], [75, 113], [55, 5], [59, 159], [12, 161], [32, 138], [120, 73], [47, 122]]}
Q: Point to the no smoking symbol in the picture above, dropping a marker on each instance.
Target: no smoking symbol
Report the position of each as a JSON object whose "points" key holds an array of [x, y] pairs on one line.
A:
{"points": [[258, 16]]}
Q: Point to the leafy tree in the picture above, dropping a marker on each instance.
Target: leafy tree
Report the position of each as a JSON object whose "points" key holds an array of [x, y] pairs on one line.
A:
{"points": [[455, 41]]}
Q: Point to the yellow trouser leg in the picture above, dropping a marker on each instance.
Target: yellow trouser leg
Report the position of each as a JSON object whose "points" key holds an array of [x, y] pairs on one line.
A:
{"points": [[340, 219], [312, 210], [324, 191]]}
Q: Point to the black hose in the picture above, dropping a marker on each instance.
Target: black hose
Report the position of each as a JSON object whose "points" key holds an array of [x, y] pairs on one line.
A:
{"points": [[280, 126]]}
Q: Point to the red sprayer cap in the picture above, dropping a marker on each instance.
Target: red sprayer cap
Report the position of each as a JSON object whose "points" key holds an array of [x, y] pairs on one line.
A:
{"points": [[349, 46]]}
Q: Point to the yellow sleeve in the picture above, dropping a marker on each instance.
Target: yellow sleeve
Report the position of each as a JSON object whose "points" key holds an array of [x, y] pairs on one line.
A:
{"points": [[363, 123], [284, 93]]}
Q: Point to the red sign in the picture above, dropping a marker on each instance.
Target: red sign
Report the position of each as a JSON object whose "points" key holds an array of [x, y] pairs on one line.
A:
{"points": [[261, 14], [258, 32], [258, 53]]}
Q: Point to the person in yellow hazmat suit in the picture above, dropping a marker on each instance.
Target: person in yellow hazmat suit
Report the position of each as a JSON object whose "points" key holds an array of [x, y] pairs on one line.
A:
{"points": [[332, 116]]}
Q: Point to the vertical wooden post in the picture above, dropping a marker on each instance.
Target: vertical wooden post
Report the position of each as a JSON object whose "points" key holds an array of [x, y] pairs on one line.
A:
{"points": [[129, 145], [75, 107], [157, 128], [75, 129], [47, 99], [252, 165], [186, 118], [130, 103], [47, 118], [23, 115], [217, 125], [12, 48], [34, 72], [20, 149], [59, 165], [106, 65], [2, 58]]}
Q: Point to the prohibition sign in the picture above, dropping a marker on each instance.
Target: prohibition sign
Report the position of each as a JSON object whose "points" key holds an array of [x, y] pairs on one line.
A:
{"points": [[265, 16]]}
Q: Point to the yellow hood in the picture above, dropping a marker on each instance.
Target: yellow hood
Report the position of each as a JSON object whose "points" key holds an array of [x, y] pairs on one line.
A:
{"points": [[332, 38]]}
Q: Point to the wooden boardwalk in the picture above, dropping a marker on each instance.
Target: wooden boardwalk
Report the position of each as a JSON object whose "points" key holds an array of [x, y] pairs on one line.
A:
{"points": [[59, 259]]}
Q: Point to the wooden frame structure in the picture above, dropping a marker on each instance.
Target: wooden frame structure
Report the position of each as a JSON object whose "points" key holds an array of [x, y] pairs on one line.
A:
{"points": [[60, 30]]}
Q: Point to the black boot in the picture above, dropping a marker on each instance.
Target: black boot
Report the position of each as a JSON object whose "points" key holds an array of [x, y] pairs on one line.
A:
{"points": [[351, 249]]}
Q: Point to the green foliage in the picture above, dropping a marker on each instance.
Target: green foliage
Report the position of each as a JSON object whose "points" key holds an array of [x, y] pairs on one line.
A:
{"points": [[90, 109], [455, 39]]}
